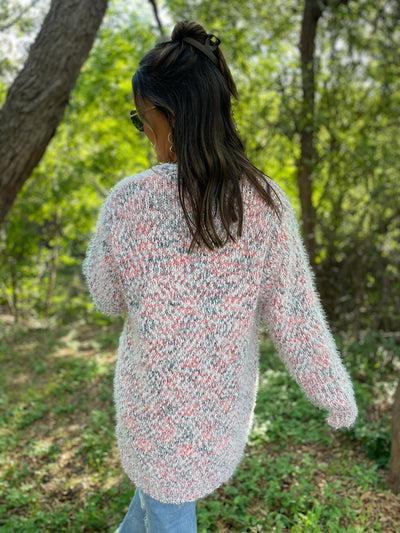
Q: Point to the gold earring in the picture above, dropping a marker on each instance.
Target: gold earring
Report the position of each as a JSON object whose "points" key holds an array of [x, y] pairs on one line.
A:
{"points": [[171, 147]]}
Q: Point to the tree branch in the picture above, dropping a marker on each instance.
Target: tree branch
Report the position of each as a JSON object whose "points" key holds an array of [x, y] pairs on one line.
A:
{"points": [[156, 16], [36, 100], [7, 25]]}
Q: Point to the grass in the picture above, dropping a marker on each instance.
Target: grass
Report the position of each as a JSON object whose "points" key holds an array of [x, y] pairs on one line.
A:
{"points": [[59, 466]]}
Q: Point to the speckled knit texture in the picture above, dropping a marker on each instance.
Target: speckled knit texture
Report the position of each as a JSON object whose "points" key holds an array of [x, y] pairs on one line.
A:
{"points": [[187, 369]]}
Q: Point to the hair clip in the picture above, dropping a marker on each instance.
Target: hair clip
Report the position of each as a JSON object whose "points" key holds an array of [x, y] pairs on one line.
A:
{"points": [[213, 40], [208, 48]]}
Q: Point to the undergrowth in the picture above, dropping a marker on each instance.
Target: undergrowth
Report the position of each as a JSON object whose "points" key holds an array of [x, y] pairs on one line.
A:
{"points": [[59, 466]]}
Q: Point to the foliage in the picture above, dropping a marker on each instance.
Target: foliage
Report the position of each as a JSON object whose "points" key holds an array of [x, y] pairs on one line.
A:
{"points": [[375, 360], [57, 441], [19, 19], [95, 146], [355, 183], [59, 467]]}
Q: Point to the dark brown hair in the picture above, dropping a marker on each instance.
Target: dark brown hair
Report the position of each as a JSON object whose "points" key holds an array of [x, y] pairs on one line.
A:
{"points": [[194, 94]]}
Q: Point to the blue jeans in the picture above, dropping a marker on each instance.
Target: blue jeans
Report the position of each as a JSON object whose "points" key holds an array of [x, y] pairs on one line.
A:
{"points": [[147, 515]]}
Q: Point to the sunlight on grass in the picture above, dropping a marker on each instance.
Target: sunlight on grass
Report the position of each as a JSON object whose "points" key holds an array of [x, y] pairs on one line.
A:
{"points": [[59, 462]]}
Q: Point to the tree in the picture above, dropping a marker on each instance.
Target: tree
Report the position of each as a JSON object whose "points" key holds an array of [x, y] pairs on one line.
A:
{"points": [[36, 101], [394, 466], [44, 237], [312, 12]]}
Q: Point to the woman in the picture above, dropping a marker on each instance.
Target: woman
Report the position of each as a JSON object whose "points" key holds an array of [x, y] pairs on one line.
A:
{"points": [[195, 252]]}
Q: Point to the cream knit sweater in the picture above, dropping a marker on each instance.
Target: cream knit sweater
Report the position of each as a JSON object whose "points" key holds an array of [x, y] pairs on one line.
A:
{"points": [[187, 369]]}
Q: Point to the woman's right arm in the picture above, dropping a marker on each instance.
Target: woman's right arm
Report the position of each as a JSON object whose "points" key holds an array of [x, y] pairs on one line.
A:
{"points": [[101, 271]]}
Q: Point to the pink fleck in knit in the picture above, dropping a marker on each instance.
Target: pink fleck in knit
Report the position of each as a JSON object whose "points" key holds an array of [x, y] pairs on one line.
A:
{"points": [[187, 369]]}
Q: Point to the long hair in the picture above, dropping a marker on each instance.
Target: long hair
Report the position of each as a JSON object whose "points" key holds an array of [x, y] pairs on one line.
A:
{"points": [[193, 91]]}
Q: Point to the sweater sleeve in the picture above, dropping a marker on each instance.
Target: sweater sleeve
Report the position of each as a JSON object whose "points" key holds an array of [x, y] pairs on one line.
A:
{"points": [[294, 316], [101, 271]]}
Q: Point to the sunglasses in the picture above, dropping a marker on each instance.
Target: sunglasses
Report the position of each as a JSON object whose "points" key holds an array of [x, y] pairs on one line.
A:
{"points": [[133, 115]]}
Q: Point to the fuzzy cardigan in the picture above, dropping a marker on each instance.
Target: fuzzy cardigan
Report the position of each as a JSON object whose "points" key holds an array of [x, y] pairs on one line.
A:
{"points": [[187, 369]]}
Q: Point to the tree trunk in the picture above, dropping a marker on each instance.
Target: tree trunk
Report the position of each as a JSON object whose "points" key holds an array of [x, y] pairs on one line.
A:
{"points": [[37, 99], [394, 466], [305, 165], [53, 264]]}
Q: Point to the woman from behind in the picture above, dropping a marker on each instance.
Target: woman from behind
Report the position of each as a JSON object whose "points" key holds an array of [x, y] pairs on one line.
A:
{"points": [[196, 252]]}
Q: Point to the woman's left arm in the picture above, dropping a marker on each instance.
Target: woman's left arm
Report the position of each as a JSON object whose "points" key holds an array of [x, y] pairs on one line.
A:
{"points": [[295, 318]]}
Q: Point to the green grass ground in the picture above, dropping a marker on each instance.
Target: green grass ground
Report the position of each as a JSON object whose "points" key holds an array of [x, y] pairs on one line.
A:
{"points": [[59, 466]]}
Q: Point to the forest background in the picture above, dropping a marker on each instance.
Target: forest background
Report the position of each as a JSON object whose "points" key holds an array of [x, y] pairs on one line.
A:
{"points": [[319, 112]]}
